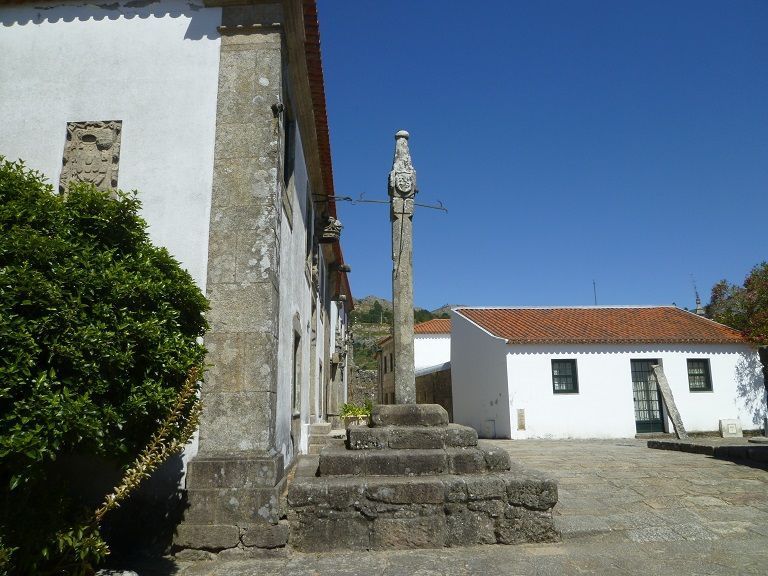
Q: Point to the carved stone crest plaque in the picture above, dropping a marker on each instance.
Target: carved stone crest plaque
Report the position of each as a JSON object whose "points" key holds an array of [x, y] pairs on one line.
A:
{"points": [[91, 154], [402, 178], [404, 182]]}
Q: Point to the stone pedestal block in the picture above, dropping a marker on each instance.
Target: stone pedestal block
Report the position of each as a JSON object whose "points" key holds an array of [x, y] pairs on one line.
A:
{"points": [[373, 512], [409, 415], [403, 437], [730, 429]]}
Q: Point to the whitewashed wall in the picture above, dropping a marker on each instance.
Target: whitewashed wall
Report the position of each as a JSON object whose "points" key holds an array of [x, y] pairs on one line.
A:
{"points": [[604, 405], [295, 308], [431, 349], [321, 369], [338, 332], [153, 67], [478, 379]]}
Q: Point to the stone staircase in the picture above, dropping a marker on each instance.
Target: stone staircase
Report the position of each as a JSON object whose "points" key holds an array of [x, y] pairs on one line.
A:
{"points": [[318, 437], [415, 481]]}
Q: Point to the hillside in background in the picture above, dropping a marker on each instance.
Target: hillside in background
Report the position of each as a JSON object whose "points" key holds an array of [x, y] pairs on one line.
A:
{"points": [[371, 322]]}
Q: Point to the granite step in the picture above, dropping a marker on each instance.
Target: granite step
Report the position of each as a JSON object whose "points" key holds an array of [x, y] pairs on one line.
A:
{"points": [[380, 512], [402, 437], [409, 415], [319, 428], [336, 460]]}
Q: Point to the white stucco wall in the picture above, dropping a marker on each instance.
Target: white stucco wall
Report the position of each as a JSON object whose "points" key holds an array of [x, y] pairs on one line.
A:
{"points": [[153, 67], [295, 309], [604, 405], [431, 349], [317, 400], [338, 328], [478, 378]]}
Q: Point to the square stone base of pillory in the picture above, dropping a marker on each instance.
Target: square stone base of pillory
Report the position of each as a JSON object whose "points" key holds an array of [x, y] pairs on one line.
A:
{"points": [[412, 480]]}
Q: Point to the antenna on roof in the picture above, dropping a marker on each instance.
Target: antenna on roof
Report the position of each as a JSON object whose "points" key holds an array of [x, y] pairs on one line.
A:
{"points": [[594, 290]]}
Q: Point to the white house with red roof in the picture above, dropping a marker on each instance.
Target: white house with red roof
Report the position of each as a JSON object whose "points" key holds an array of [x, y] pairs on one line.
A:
{"points": [[586, 372]]}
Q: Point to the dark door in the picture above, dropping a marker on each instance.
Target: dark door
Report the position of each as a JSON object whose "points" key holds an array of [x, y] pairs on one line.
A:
{"points": [[648, 417]]}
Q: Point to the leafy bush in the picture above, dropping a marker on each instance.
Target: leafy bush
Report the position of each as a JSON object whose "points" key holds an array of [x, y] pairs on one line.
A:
{"points": [[98, 330]]}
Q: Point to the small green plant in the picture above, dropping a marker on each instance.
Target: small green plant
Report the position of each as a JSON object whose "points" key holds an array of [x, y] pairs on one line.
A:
{"points": [[353, 409]]}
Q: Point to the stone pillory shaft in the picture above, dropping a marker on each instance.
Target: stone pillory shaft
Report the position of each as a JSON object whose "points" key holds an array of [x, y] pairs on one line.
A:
{"points": [[402, 191]]}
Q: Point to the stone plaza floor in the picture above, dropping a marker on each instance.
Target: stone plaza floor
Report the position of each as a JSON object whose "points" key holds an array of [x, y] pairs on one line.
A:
{"points": [[623, 509]]}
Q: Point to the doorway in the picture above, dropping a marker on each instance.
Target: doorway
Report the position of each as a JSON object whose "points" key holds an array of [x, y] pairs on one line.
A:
{"points": [[648, 413]]}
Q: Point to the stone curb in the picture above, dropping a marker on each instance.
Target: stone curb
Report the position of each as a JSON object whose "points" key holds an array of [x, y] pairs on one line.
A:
{"points": [[744, 452]]}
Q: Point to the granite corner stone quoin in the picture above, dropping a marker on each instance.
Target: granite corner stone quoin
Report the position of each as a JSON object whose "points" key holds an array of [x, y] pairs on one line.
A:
{"points": [[235, 481]]}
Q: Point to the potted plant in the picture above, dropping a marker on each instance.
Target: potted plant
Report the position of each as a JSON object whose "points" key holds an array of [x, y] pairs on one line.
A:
{"points": [[355, 414]]}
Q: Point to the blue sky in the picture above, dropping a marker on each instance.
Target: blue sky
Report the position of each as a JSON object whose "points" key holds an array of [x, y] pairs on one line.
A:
{"points": [[571, 141]]}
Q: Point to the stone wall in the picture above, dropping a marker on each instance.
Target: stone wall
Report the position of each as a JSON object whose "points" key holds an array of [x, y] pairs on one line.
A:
{"points": [[363, 385], [422, 512], [435, 388]]}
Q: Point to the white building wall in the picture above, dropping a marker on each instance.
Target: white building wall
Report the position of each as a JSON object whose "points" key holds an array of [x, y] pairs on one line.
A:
{"points": [[479, 376], [344, 319], [604, 405], [318, 401], [338, 328], [153, 67], [295, 311], [431, 349]]}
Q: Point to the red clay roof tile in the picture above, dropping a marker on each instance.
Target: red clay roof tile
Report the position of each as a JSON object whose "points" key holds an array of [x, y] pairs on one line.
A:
{"points": [[601, 325], [434, 326]]}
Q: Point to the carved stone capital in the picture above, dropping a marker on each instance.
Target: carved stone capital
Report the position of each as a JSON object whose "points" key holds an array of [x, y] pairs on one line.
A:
{"points": [[331, 230]]}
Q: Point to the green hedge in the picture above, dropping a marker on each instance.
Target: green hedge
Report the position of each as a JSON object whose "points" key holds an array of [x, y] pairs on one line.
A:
{"points": [[98, 330]]}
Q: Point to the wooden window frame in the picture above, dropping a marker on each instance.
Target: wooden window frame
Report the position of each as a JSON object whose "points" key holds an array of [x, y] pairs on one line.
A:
{"points": [[574, 374], [707, 374]]}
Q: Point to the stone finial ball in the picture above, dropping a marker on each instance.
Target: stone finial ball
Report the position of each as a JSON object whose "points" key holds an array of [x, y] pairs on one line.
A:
{"points": [[402, 134]]}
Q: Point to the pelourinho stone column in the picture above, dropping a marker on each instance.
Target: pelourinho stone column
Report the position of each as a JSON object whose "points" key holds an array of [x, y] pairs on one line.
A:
{"points": [[402, 191]]}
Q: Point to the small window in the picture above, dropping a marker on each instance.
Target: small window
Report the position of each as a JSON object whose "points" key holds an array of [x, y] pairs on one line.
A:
{"points": [[391, 363], [699, 379], [564, 378], [289, 145]]}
